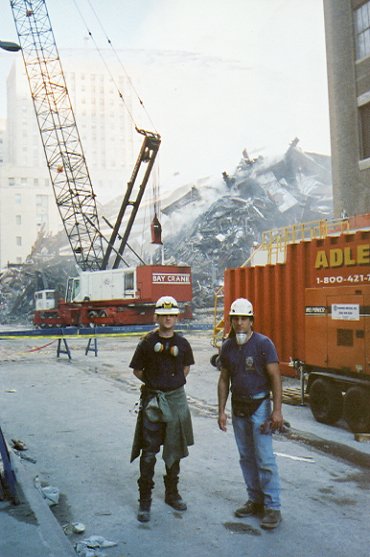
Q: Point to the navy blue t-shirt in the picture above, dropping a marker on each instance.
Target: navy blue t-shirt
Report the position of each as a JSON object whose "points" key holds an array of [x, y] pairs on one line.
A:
{"points": [[246, 364], [163, 371]]}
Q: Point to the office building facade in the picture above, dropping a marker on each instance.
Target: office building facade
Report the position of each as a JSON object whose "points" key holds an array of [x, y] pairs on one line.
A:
{"points": [[347, 30], [27, 202]]}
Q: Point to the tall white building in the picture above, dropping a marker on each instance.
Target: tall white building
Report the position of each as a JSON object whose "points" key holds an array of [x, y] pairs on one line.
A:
{"points": [[107, 134], [27, 206]]}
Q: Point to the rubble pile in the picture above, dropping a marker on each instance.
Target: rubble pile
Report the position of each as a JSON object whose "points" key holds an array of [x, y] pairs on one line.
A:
{"points": [[43, 269], [258, 196], [220, 238], [214, 225]]}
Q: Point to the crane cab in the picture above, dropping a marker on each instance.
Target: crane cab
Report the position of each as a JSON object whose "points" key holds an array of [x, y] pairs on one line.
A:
{"points": [[45, 299], [73, 289]]}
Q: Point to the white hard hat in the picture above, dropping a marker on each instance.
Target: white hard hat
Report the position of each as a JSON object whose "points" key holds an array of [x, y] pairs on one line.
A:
{"points": [[241, 306], [166, 305]]}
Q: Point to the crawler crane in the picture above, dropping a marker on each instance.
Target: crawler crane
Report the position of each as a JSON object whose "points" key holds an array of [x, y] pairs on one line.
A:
{"points": [[103, 293]]}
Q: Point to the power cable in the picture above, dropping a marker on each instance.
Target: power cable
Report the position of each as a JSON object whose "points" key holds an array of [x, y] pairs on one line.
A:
{"points": [[128, 78], [155, 179], [106, 65]]}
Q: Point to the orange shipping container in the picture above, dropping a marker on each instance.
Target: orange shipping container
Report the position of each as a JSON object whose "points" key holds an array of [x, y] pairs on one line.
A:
{"points": [[337, 329], [277, 291]]}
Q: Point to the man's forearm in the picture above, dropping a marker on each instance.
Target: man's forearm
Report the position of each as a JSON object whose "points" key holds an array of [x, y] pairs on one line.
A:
{"points": [[223, 393], [276, 387], [276, 393]]}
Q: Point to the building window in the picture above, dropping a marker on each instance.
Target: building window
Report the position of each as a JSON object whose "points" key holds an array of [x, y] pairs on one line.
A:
{"points": [[18, 240], [362, 30], [42, 201], [42, 220], [18, 219], [364, 115]]}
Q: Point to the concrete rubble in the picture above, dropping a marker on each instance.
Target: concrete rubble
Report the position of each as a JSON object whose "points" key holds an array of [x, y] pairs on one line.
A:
{"points": [[259, 195], [211, 226], [44, 269]]}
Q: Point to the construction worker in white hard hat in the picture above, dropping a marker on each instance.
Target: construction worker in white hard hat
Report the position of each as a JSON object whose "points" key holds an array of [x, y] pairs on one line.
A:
{"points": [[162, 362], [249, 368]]}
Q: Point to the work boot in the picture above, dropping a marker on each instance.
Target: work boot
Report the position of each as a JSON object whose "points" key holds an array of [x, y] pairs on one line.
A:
{"points": [[145, 501], [172, 496], [271, 519], [143, 514], [250, 508]]}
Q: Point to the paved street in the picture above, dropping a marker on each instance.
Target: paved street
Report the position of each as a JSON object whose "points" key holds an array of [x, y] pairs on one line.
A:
{"points": [[77, 419]]}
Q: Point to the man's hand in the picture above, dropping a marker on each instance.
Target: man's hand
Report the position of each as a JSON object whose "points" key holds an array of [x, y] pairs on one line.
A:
{"points": [[277, 420], [222, 421], [274, 423]]}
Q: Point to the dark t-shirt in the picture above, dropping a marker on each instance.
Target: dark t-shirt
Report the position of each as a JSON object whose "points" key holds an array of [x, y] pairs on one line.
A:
{"points": [[164, 368], [246, 364]]}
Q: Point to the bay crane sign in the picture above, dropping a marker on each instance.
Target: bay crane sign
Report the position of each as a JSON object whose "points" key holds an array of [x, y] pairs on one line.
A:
{"points": [[74, 194]]}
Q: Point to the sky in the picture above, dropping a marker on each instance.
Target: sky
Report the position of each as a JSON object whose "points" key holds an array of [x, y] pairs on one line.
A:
{"points": [[220, 75]]}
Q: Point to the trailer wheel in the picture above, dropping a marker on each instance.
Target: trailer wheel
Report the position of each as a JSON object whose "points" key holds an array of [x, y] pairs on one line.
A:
{"points": [[326, 401], [357, 409]]}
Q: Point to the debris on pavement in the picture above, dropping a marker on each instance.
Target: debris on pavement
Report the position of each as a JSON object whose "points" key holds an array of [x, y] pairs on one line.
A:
{"points": [[19, 445], [73, 528], [91, 547], [49, 492]]}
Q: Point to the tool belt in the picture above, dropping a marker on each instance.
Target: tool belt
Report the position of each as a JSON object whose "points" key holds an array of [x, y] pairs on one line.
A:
{"points": [[244, 406]]}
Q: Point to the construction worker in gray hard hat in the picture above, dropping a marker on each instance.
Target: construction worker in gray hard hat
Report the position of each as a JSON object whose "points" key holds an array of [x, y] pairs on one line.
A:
{"points": [[249, 368], [162, 362]]}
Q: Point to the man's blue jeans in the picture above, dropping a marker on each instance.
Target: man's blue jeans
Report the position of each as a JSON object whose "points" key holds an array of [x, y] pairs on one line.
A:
{"points": [[257, 459]]}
